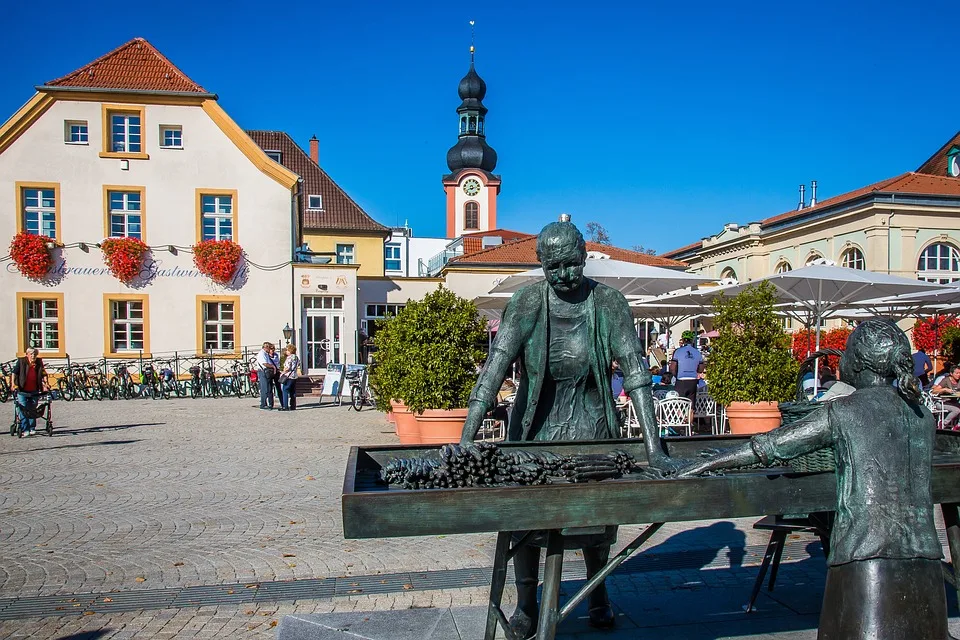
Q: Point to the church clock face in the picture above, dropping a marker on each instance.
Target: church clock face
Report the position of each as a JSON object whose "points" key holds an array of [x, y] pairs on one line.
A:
{"points": [[471, 187]]}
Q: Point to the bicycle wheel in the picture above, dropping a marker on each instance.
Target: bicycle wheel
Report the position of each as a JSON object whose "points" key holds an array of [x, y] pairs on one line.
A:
{"points": [[65, 389], [356, 398], [4, 390], [196, 389], [114, 389]]}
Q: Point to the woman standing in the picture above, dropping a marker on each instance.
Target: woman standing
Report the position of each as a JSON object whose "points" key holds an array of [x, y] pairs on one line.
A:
{"points": [[288, 379]]}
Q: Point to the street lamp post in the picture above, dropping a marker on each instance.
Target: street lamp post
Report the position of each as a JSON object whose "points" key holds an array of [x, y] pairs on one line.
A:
{"points": [[287, 333]]}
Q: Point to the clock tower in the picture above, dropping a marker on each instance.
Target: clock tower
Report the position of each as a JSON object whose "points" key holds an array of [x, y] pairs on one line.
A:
{"points": [[471, 186]]}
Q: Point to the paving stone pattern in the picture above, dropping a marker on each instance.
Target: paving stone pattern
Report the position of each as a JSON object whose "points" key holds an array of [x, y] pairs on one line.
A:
{"points": [[212, 519]]}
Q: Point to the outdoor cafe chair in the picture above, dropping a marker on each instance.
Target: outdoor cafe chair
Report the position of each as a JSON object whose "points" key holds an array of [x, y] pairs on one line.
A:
{"points": [[935, 405], [660, 394], [705, 407], [674, 413], [492, 430]]}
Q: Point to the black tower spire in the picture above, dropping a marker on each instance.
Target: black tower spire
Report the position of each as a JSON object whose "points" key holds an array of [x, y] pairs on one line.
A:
{"points": [[472, 150]]}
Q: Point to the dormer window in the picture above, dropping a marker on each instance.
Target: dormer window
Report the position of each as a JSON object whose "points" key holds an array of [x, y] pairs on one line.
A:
{"points": [[315, 202], [953, 162], [276, 156]]}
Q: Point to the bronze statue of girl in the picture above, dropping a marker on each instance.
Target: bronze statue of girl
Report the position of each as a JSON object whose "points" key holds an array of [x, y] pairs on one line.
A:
{"points": [[884, 579]]}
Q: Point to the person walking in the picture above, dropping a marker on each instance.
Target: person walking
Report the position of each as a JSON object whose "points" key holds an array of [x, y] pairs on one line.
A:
{"points": [[266, 372], [28, 379], [922, 367], [288, 379]]}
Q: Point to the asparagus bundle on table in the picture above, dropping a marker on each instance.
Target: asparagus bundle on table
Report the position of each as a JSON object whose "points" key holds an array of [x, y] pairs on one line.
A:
{"points": [[586, 467]]}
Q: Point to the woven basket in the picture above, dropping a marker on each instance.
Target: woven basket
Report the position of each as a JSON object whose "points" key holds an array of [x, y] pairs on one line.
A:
{"points": [[819, 460]]}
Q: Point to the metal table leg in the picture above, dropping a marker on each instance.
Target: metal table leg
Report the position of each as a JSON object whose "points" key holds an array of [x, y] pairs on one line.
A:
{"points": [[497, 582], [549, 615], [777, 538]]}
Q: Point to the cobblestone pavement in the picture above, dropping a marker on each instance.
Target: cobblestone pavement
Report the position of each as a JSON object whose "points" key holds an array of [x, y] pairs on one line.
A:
{"points": [[155, 499]]}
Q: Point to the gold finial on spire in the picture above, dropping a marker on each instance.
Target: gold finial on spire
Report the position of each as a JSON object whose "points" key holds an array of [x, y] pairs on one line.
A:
{"points": [[472, 48]]}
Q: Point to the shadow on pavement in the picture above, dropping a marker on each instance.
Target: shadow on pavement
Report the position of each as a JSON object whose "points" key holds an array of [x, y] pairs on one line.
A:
{"points": [[71, 446], [86, 635], [101, 428]]}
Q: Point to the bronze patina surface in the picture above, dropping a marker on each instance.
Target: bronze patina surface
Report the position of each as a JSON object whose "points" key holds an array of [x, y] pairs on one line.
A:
{"points": [[884, 579]]}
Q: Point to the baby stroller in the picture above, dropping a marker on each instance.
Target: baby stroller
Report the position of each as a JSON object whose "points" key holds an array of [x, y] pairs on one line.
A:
{"points": [[42, 412]]}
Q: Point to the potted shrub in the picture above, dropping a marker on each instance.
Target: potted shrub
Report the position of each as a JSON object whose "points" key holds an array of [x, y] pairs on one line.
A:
{"points": [[387, 377], [751, 366], [433, 350]]}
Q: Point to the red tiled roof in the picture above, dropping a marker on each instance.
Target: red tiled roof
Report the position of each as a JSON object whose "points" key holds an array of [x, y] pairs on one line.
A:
{"points": [[524, 252], [911, 182], [473, 242], [936, 165], [136, 65], [916, 183], [340, 212]]}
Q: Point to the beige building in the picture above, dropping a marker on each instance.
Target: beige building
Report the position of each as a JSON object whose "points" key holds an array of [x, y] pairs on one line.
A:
{"points": [[908, 225], [129, 146]]}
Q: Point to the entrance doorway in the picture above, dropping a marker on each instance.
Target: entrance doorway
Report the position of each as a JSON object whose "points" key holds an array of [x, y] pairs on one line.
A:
{"points": [[322, 330]]}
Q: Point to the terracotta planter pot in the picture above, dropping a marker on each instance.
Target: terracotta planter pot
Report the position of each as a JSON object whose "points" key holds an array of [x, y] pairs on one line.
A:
{"points": [[407, 428], [753, 417], [391, 418], [441, 426]]}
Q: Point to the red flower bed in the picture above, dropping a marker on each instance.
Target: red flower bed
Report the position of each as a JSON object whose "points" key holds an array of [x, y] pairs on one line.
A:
{"points": [[928, 333], [124, 257], [832, 339], [30, 254], [217, 259]]}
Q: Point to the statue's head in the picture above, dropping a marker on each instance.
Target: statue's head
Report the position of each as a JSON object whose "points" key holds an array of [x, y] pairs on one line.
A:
{"points": [[562, 252], [877, 353]]}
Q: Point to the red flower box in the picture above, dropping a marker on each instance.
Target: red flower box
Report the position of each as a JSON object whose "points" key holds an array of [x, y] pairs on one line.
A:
{"points": [[31, 255], [124, 257], [217, 259]]}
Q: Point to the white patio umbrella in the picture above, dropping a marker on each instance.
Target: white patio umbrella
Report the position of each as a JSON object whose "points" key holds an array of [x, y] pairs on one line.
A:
{"points": [[628, 278], [923, 303]]}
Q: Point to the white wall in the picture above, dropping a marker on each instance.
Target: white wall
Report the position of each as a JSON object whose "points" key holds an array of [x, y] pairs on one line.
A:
{"points": [[487, 193], [170, 177]]}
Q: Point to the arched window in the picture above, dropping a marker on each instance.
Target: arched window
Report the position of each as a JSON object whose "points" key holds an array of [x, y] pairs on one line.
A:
{"points": [[940, 262], [813, 257], [471, 215], [783, 267], [728, 274], [853, 258]]}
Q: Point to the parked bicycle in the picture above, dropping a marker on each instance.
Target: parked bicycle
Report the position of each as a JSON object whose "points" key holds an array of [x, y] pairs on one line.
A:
{"points": [[121, 384], [168, 380], [150, 382], [361, 393], [96, 381], [240, 378]]}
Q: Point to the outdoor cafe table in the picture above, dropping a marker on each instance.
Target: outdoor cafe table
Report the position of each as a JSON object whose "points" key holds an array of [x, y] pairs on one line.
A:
{"points": [[373, 510]]}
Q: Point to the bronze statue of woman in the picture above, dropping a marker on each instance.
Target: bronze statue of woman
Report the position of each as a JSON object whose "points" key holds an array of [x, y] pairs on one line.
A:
{"points": [[566, 330], [884, 579]]}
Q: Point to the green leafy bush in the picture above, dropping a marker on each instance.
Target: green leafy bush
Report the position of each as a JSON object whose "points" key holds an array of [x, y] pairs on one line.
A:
{"points": [[428, 354], [751, 359]]}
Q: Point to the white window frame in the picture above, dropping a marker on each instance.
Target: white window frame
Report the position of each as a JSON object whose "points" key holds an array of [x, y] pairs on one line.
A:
{"points": [[127, 133], [386, 258], [83, 137], [784, 267], [46, 216], [124, 324], [40, 324], [125, 213], [938, 275], [218, 324], [388, 308], [315, 205], [217, 216], [346, 254], [276, 156], [172, 128], [852, 257]]}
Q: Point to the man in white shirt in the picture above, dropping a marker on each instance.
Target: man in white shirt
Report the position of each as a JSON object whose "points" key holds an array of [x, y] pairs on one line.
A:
{"points": [[686, 366], [266, 372]]}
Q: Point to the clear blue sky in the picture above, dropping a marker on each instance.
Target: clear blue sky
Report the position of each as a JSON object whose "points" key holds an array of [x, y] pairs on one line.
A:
{"points": [[662, 121]]}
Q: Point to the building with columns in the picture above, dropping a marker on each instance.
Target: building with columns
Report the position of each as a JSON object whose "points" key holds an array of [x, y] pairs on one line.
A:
{"points": [[907, 225]]}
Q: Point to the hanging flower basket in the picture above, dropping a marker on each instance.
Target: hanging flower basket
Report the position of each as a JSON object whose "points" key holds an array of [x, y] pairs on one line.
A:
{"points": [[124, 257], [31, 255], [217, 259]]}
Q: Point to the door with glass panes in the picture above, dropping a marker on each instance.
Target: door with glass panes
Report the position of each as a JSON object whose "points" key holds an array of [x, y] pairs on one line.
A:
{"points": [[322, 331]]}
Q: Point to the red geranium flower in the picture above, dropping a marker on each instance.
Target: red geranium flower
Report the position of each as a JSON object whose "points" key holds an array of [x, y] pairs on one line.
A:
{"points": [[31, 255], [124, 256], [217, 259]]}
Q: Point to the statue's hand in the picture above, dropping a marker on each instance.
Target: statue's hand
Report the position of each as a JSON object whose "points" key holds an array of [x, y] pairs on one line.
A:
{"points": [[666, 464], [693, 468]]}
